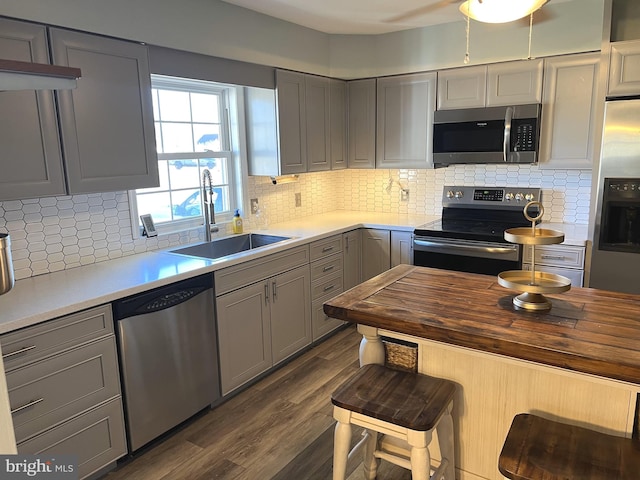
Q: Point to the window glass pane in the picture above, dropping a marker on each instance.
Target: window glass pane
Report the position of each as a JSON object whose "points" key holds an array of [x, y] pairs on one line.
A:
{"points": [[207, 137], [217, 172], [186, 204], [174, 106], [184, 174], [222, 201], [176, 137], [159, 148], [209, 163], [157, 204], [205, 108]]}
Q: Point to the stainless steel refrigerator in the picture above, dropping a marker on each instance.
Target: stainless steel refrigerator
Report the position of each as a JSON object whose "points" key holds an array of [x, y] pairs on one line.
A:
{"points": [[615, 263]]}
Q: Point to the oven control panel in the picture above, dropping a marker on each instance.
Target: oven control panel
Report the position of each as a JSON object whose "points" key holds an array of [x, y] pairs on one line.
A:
{"points": [[501, 197]]}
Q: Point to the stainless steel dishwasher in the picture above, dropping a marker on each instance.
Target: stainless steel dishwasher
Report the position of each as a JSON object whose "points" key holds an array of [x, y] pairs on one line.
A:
{"points": [[168, 353]]}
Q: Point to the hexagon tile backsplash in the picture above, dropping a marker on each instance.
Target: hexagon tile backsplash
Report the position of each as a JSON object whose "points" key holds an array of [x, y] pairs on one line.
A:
{"points": [[56, 233]]}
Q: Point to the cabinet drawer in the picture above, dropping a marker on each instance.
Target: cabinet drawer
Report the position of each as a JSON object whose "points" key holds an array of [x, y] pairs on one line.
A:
{"points": [[576, 276], [48, 392], [327, 266], [321, 323], [96, 438], [325, 247], [39, 341], [331, 286], [559, 256], [238, 276]]}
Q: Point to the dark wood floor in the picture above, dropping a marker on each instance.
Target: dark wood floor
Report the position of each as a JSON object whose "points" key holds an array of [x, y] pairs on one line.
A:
{"points": [[280, 428]]}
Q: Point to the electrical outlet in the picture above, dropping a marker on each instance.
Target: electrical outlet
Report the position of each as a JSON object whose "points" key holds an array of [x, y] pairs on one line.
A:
{"points": [[298, 199], [404, 195], [254, 206]]}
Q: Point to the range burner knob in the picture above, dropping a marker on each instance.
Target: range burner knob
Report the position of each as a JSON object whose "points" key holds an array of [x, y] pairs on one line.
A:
{"points": [[508, 196], [529, 197], [519, 197], [458, 194], [449, 194]]}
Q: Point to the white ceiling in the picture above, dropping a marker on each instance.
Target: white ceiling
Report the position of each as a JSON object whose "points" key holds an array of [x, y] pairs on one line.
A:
{"points": [[359, 16]]}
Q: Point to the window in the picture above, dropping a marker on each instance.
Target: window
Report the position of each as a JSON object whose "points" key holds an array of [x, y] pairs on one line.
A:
{"points": [[192, 134]]}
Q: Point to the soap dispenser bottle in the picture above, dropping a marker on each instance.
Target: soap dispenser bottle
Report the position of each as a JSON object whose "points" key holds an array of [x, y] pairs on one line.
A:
{"points": [[237, 222]]}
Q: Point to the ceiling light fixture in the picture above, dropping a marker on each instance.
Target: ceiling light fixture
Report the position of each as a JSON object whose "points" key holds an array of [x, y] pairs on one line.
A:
{"points": [[500, 11]]}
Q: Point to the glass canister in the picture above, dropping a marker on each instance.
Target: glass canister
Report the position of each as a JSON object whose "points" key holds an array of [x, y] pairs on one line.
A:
{"points": [[6, 264]]}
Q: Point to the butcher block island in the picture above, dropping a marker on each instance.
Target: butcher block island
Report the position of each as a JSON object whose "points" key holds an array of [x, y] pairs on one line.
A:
{"points": [[578, 362]]}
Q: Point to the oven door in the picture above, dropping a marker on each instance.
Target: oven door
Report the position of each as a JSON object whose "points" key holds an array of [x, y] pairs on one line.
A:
{"points": [[489, 258]]}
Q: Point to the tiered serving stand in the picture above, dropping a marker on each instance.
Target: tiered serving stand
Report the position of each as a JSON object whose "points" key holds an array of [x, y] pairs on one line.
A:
{"points": [[533, 283]]}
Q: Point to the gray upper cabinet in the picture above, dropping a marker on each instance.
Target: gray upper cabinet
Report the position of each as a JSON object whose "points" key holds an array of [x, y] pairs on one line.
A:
{"points": [[508, 83], [106, 123], [362, 123], [318, 127], [291, 112], [568, 130], [624, 71], [338, 132], [31, 160], [405, 107]]}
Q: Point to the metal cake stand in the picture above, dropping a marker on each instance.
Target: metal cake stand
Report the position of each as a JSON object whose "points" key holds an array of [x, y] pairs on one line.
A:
{"points": [[533, 284]]}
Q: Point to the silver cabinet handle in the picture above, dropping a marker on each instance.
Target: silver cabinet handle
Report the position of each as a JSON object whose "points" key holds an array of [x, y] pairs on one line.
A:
{"points": [[266, 293], [18, 352], [328, 268], [27, 405], [273, 290], [507, 133], [327, 249], [329, 287], [552, 257]]}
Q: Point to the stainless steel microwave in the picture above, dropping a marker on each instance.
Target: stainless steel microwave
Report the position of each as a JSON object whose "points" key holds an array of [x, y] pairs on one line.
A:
{"points": [[508, 134]]}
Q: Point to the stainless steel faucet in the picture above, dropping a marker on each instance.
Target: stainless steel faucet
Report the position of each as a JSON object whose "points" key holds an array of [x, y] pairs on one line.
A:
{"points": [[207, 205]]}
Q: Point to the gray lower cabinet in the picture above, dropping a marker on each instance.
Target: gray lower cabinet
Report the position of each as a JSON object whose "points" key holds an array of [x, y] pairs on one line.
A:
{"points": [[263, 309], [401, 248], [106, 123], [64, 389], [326, 282], [352, 262], [376, 252], [31, 160]]}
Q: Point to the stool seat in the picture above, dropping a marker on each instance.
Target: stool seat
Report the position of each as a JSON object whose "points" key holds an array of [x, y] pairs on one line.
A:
{"points": [[541, 449], [399, 411], [410, 400]]}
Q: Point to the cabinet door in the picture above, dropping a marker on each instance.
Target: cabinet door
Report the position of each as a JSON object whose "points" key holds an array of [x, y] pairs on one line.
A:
{"points": [[362, 123], [568, 128], [401, 248], [405, 121], [352, 270], [107, 121], [291, 122], [317, 107], [31, 161], [290, 312], [514, 83], [462, 87], [243, 334], [338, 127], [376, 252], [624, 72]]}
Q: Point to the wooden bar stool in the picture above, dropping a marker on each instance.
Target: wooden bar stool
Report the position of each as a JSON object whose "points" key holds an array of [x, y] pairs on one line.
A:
{"points": [[398, 404], [541, 449]]}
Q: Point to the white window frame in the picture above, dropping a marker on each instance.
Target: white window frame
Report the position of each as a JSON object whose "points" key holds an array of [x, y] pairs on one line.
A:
{"points": [[231, 139]]}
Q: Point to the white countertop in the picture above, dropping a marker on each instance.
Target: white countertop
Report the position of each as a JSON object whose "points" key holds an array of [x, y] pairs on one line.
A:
{"points": [[44, 297]]}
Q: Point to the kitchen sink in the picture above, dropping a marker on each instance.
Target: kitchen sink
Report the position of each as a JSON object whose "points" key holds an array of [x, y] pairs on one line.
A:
{"points": [[229, 245]]}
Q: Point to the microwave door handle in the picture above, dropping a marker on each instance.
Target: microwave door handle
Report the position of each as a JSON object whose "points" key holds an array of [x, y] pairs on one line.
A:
{"points": [[507, 133]]}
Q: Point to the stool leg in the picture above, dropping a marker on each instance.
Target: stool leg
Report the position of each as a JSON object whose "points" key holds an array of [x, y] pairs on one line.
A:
{"points": [[370, 461], [419, 456], [445, 439], [341, 444]]}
